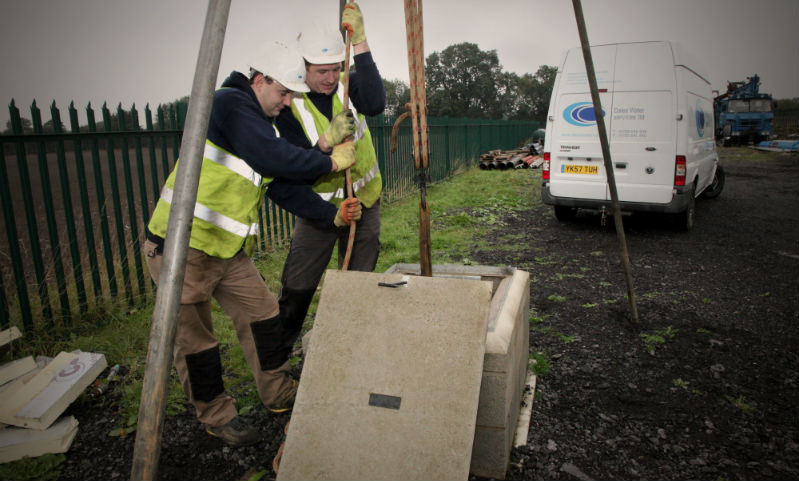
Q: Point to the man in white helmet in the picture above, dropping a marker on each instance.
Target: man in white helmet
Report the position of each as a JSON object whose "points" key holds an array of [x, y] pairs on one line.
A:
{"points": [[317, 119], [243, 154]]}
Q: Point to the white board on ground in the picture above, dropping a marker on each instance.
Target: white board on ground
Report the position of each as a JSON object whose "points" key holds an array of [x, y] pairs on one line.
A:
{"points": [[16, 368], [8, 335], [17, 443], [22, 390], [42, 399]]}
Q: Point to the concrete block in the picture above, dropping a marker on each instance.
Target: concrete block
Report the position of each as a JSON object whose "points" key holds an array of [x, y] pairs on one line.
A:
{"points": [[505, 361], [391, 385], [490, 456]]}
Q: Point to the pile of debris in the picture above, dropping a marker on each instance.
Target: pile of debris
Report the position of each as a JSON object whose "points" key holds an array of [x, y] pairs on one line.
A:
{"points": [[33, 395], [778, 145], [510, 159]]}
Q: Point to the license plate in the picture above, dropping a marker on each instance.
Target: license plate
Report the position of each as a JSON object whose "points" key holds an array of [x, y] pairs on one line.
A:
{"points": [[579, 169]]}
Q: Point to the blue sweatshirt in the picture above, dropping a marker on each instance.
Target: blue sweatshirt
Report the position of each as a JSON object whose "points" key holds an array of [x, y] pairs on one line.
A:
{"points": [[239, 125]]}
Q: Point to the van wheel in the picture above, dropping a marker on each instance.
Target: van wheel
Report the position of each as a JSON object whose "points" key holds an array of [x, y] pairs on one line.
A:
{"points": [[685, 220], [715, 188], [565, 214]]}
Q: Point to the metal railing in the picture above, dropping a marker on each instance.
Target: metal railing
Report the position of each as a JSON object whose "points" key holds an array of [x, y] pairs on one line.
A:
{"points": [[75, 202]]}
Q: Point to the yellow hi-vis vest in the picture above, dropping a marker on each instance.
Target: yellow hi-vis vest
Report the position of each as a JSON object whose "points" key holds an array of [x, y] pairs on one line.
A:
{"points": [[226, 210], [366, 180]]}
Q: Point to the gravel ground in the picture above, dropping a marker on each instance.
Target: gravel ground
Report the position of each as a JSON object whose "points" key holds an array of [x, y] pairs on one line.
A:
{"points": [[704, 387]]}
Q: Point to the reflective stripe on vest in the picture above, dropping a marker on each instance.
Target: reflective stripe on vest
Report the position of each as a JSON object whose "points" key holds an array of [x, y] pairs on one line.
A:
{"points": [[220, 220], [226, 210], [366, 179], [232, 162], [357, 185]]}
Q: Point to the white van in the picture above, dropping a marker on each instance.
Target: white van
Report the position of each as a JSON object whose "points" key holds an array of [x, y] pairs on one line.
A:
{"points": [[658, 113]]}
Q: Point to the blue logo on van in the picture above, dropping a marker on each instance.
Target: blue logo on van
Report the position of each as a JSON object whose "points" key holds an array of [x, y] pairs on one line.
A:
{"points": [[700, 120], [581, 114]]}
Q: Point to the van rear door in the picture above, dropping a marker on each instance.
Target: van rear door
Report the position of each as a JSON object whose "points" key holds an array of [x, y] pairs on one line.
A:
{"points": [[643, 123], [576, 168]]}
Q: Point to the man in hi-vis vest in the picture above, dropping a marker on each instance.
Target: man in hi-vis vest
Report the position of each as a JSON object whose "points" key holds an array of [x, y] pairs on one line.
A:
{"points": [[316, 120], [243, 155]]}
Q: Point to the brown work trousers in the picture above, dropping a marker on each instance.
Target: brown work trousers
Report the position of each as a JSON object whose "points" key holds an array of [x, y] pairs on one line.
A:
{"points": [[240, 290]]}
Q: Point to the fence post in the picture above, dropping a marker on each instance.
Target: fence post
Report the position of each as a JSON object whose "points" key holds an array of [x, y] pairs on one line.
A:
{"points": [[88, 227], [137, 142], [101, 202], [13, 244], [52, 228], [148, 116], [69, 217], [120, 228], [133, 220]]}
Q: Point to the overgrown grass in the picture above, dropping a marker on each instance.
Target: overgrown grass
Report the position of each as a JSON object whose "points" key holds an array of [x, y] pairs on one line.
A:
{"points": [[463, 209]]}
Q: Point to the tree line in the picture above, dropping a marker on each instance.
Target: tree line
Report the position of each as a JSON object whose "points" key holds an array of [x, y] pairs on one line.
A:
{"points": [[464, 81]]}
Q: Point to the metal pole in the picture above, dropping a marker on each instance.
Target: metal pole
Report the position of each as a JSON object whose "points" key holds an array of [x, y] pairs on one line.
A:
{"points": [[147, 448], [603, 139]]}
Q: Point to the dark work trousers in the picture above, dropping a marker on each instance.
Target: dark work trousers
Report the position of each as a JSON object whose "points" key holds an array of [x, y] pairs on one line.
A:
{"points": [[310, 252], [240, 290]]}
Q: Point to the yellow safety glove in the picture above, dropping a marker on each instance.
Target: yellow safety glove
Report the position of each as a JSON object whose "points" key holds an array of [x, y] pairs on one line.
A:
{"points": [[352, 20], [341, 127], [343, 155], [349, 211]]}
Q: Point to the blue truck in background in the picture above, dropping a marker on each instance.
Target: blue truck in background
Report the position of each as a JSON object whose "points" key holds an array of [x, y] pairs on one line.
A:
{"points": [[742, 114]]}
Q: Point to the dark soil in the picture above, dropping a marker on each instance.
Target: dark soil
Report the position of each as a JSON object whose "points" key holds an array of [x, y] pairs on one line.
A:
{"points": [[715, 399]]}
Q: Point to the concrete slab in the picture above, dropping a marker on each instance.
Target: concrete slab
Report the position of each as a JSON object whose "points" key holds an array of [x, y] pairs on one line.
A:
{"points": [[391, 387]]}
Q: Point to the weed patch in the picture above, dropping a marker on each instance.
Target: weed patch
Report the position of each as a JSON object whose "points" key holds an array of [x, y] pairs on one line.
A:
{"points": [[658, 337], [42, 468], [539, 363]]}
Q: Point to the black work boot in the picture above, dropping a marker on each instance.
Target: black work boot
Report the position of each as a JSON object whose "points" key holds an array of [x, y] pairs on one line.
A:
{"points": [[235, 433]]}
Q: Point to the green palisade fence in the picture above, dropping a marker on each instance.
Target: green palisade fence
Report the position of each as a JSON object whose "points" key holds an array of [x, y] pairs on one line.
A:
{"points": [[76, 198]]}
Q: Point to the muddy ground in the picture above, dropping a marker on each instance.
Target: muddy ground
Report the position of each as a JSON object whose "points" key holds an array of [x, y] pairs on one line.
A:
{"points": [[706, 386]]}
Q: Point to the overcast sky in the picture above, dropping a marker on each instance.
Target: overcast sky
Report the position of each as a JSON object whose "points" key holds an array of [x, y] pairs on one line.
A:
{"points": [[144, 51]]}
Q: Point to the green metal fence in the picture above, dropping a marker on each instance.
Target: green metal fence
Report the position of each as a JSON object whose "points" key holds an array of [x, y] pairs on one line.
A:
{"points": [[75, 201], [786, 122]]}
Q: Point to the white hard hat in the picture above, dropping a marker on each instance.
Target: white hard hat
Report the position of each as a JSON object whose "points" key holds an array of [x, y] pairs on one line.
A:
{"points": [[282, 63], [321, 45]]}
